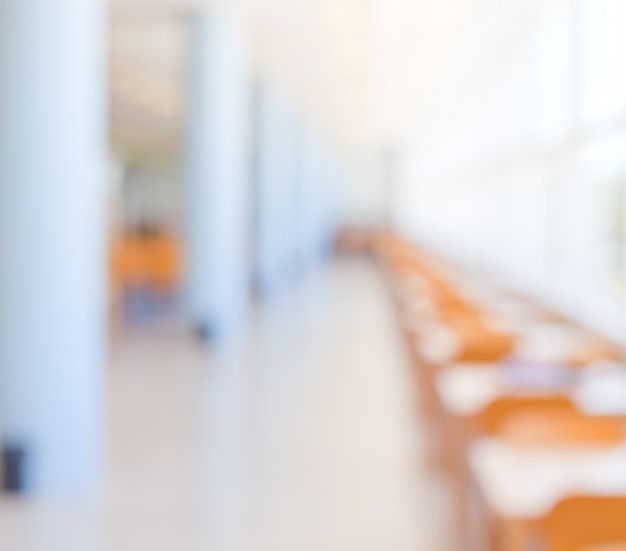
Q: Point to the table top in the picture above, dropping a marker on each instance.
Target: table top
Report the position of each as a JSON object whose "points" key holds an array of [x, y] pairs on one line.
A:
{"points": [[466, 389], [437, 343], [554, 342], [419, 310], [513, 321], [602, 390], [526, 483]]}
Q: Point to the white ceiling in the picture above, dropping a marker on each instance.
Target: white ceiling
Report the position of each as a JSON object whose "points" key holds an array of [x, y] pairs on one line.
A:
{"points": [[359, 69]]}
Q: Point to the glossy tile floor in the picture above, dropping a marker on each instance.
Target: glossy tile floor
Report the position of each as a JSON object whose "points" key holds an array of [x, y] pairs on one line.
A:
{"points": [[301, 436]]}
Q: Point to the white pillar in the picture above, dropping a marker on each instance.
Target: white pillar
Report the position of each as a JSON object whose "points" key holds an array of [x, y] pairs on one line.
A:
{"points": [[330, 189], [312, 215], [276, 211], [217, 176], [52, 240]]}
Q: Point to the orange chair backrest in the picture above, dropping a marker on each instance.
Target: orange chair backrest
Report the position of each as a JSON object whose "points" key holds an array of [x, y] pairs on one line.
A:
{"points": [[549, 420], [492, 419], [479, 344], [586, 522], [563, 428]]}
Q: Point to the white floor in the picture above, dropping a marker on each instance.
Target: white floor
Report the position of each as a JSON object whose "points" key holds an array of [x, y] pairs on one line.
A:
{"points": [[302, 437]]}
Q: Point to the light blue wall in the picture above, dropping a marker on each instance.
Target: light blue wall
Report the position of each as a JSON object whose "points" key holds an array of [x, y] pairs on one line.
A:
{"points": [[314, 198], [276, 190]]}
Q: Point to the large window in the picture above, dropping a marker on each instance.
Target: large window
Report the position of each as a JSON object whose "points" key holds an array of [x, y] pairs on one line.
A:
{"points": [[602, 56], [527, 171]]}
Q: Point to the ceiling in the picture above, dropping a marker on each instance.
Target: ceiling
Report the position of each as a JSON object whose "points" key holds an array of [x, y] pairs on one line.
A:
{"points": [[358, 69]]}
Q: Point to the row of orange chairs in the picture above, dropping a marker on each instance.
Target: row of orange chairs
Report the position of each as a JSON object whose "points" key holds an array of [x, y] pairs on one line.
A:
{"points": [[577, 523]]}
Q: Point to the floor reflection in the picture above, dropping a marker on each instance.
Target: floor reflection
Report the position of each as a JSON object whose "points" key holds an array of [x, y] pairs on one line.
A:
{"points": [[302, 435]]}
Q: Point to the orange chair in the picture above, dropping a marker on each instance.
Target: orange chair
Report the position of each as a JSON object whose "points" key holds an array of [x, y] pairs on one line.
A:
{"points": [[152, 261], [563, 428], [163, 260], [587, 523], [480, 344], [599, 351], [550, 420]]}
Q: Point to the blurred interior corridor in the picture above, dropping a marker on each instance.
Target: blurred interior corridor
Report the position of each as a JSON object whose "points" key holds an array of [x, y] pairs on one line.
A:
{"points": [[302, 437], [312, 275]]}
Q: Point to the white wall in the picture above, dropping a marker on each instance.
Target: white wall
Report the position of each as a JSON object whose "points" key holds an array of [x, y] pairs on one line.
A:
{"points": [[151, 194], [363, 195]]}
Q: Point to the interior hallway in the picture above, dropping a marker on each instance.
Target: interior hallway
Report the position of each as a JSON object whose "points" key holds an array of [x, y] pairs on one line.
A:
{"points": [[305, 438]]}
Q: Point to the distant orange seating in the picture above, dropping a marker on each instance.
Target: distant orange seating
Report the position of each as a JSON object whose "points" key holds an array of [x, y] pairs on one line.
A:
{"points": [[151, 260]]}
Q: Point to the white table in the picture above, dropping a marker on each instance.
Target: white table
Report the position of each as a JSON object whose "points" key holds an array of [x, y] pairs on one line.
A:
{"points": [[466, 389], [527, 482], [554, 342], [514, 488], [437, 343]]}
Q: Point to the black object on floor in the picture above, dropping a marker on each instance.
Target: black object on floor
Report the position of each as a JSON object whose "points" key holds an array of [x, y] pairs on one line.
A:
{"points": [[13, 468], [205, 332]]}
